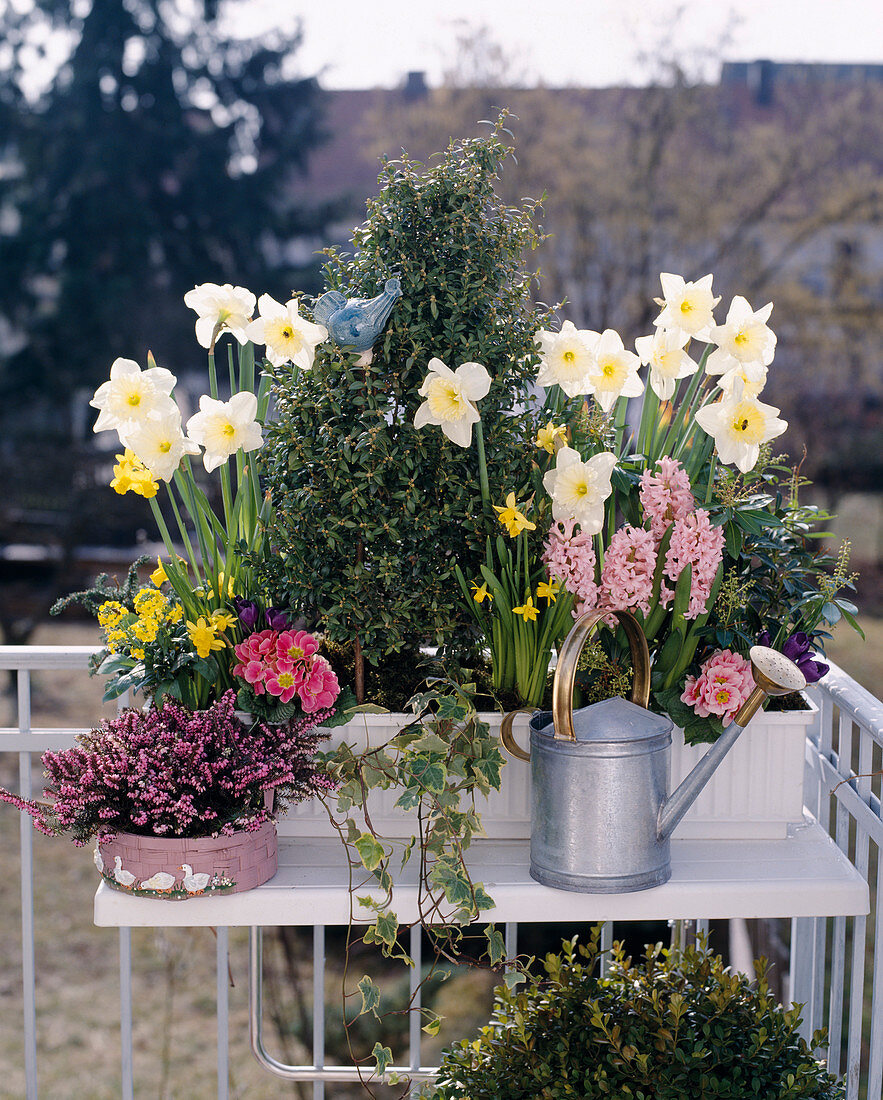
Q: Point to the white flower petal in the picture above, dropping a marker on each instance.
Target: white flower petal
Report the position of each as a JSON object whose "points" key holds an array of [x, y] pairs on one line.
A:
{"points": [[474, 380], [458, 431]]}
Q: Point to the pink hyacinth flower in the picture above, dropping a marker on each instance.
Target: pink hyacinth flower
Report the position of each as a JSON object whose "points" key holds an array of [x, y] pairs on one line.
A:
{"points": [[694, 542], [570, 559], [666, 495], [627, 575]]}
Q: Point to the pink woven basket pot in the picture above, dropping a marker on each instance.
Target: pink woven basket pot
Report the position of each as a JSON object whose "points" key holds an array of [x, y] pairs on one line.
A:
{"points": [[152, 866]]}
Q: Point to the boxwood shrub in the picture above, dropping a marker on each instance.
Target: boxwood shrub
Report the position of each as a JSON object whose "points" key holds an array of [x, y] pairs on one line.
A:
{"points": [[675, 1025]]}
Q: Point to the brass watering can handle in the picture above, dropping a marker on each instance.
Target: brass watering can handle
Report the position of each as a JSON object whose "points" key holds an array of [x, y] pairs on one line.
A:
{"points": [[506, 736], [568, 658]]}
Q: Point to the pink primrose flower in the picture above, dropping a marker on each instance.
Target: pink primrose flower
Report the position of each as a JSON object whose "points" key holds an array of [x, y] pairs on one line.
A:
{"points": [[666, 495], [284, 683], [722, 686], [319, 688], [295, 645]]}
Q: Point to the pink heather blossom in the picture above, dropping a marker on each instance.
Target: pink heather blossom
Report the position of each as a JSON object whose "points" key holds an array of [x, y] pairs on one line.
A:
{"points": [[174, 772], [722, 686], [695, 542], [570, 559], [627, 575], [666, 495]]}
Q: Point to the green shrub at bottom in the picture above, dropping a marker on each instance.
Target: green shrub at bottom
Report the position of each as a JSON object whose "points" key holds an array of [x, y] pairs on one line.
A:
{"points": [[678, 1024]]}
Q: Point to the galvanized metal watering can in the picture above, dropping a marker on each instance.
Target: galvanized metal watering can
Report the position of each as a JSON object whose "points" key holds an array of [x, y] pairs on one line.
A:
{"points": [[601, 821]]}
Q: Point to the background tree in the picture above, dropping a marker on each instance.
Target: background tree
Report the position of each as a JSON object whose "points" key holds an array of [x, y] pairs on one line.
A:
{"points": [[157, 157], [142, 151], [779, 196]]}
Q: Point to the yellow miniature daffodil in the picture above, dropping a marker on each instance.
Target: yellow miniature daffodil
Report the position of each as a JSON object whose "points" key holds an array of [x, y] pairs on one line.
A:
{"points": [[218, 587], [204, 636], [132, 476], [546, 436], [158, 576], [223, 620], [513, 520], [548, 590], [527, 610], [480, 593]]}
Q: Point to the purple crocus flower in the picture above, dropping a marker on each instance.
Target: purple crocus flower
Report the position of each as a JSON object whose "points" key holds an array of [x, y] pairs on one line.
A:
{"points": [[276, 619], [248, 612], [798, 648]]}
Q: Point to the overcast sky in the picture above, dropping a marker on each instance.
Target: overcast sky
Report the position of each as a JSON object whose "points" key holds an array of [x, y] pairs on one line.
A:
{"points": [[588, 42]]}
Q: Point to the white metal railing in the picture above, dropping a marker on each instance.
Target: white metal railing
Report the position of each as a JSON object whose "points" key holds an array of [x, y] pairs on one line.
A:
{"points": [[836, 963], [844, 756]]}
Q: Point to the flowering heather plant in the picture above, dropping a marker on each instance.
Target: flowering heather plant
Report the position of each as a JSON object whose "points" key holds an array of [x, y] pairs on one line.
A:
{"points": [[171, 771]]}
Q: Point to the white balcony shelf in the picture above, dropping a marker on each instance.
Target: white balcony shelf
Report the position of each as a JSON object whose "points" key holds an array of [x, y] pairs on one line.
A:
{"points": [[803, 875]]}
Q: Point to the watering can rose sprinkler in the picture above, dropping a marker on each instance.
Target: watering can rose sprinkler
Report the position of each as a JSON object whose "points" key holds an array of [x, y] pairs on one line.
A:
{"points": [[601, 821]]}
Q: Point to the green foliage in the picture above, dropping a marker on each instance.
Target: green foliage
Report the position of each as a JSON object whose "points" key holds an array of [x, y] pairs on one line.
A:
{"points": [[675, 1025], [438, 763], [372, 513]]}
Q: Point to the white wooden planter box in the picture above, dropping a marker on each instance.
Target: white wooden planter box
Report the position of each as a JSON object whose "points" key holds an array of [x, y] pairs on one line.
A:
{"points": [[756, 792]]}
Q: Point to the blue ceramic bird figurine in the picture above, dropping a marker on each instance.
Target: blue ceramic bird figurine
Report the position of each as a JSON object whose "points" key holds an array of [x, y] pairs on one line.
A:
{"points": [[357, 322]]}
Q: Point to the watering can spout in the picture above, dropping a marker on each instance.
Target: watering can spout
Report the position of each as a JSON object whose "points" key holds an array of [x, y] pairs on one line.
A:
{"points": [[773, 674]]}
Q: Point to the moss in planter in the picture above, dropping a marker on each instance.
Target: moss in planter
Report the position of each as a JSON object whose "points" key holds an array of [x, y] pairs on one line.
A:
{"points": [[676, 1025]]}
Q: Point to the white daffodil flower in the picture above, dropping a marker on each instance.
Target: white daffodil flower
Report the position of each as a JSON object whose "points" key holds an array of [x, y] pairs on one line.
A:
{"points": [[289, 338], [664, 353], [224, 427], [450, 397], [687, 307], [566, 358], [614, 373], [578, 489], [132, 395], [221, 309], [744, 339], [739, 425], [751, 376], [160, 444]]}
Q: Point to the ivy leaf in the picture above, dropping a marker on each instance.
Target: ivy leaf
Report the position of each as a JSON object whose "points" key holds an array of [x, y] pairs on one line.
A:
{"points": [[496, 945], [409, 799], [386, 928], [371, 851], [429, 742], [433, 1026], [370, 993], [382, 1058], [431, 775], [489, 770]]}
